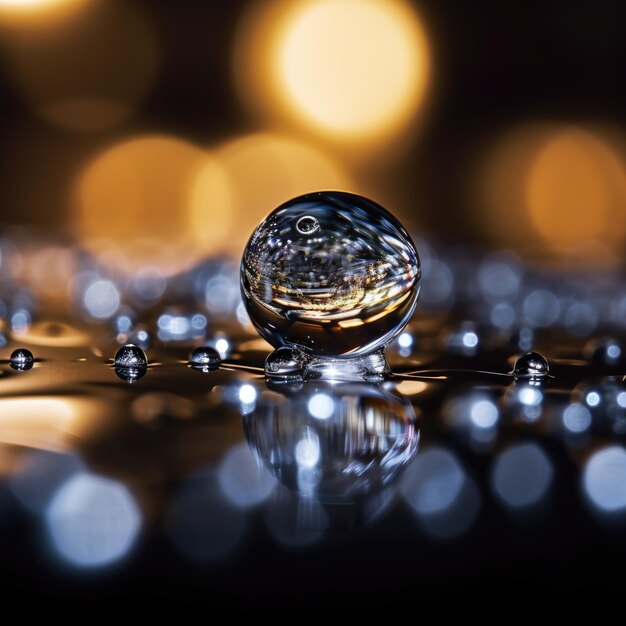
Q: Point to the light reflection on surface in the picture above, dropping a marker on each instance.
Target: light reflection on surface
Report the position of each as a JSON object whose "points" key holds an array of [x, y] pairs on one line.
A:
{"points": [[93, 521], [522, 475], [333, 442], [243, 479], [443, 497], [39, 422]]}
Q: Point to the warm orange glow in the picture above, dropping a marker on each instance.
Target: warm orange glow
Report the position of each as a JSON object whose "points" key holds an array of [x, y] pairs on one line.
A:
{"points": [[557, 191], [134, 195], [349, 70], [251, 176], [41, 422], [576, 190], [55, 334], [32, 9], [87, 71]]}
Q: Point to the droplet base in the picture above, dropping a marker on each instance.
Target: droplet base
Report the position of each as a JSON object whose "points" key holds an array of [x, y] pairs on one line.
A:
{"points": [[303, 366]]}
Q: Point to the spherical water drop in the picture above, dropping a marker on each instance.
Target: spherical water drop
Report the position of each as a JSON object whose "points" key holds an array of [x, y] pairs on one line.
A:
{"points": [[131, 356], [531, 365], [332, 273], [21, 359]]}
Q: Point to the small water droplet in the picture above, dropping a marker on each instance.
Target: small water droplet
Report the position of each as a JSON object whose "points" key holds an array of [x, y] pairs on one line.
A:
{"points": [[21, 359], [130, 356], [284, 363], [307, 225], [205, 358], [531, 365]]}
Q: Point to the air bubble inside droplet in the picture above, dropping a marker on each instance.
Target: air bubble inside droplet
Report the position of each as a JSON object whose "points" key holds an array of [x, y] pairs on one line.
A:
{"points": [[307, 225]]}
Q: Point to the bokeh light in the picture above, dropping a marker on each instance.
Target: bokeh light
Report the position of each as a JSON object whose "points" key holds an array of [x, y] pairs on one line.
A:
{"points": [[362, 81], [133, 196], [93, 521], [92, 89], [558, 192], [444, 499], [604, 480], [244, 480], [249, 177], [522, 476]]}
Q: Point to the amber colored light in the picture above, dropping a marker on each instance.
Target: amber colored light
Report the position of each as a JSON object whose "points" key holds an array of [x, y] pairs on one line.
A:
{"points": [[557, 192], [346, 70], [134, 196], [85, 69]]}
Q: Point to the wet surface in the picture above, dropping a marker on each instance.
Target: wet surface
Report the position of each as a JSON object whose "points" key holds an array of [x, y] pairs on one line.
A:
{"points": [[452, 476]]}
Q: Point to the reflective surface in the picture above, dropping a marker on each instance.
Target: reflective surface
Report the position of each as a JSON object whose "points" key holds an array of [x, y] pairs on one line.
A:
{"points": [[330, 272]]}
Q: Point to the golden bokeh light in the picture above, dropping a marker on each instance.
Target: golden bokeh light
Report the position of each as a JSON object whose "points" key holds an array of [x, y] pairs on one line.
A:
{"points": [[36, 9], [88, 69], [131, 203], [353, 71], [576, 190], [553, 191], [250, 177]]}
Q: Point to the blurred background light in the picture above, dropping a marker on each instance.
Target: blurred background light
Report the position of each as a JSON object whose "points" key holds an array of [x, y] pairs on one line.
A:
{"points": [[93, 521], [443, 498], [87, 71], [361, 82], [557, 191], [243, 479], [249, 177], [522, 475], [604, 479], [133, 197]]}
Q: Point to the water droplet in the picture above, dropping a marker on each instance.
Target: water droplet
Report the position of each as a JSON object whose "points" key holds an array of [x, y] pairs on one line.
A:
{"points": [[285, 363], [347, 292], [531, 365], [131, 356], [205, 358], [21, 359]]}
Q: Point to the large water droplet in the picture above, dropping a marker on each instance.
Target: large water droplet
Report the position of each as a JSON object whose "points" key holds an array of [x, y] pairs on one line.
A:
{"points": [[346, 291], [21, 359]]}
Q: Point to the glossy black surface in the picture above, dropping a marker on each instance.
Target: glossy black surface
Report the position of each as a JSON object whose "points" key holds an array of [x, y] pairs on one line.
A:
{"points": [[221, 486]]}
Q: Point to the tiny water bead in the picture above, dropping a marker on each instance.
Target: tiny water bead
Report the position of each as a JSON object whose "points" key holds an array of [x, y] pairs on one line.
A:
{"points": [[21, 359], [332, 274], [531, 365], [205, 357], [130, 356]]}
